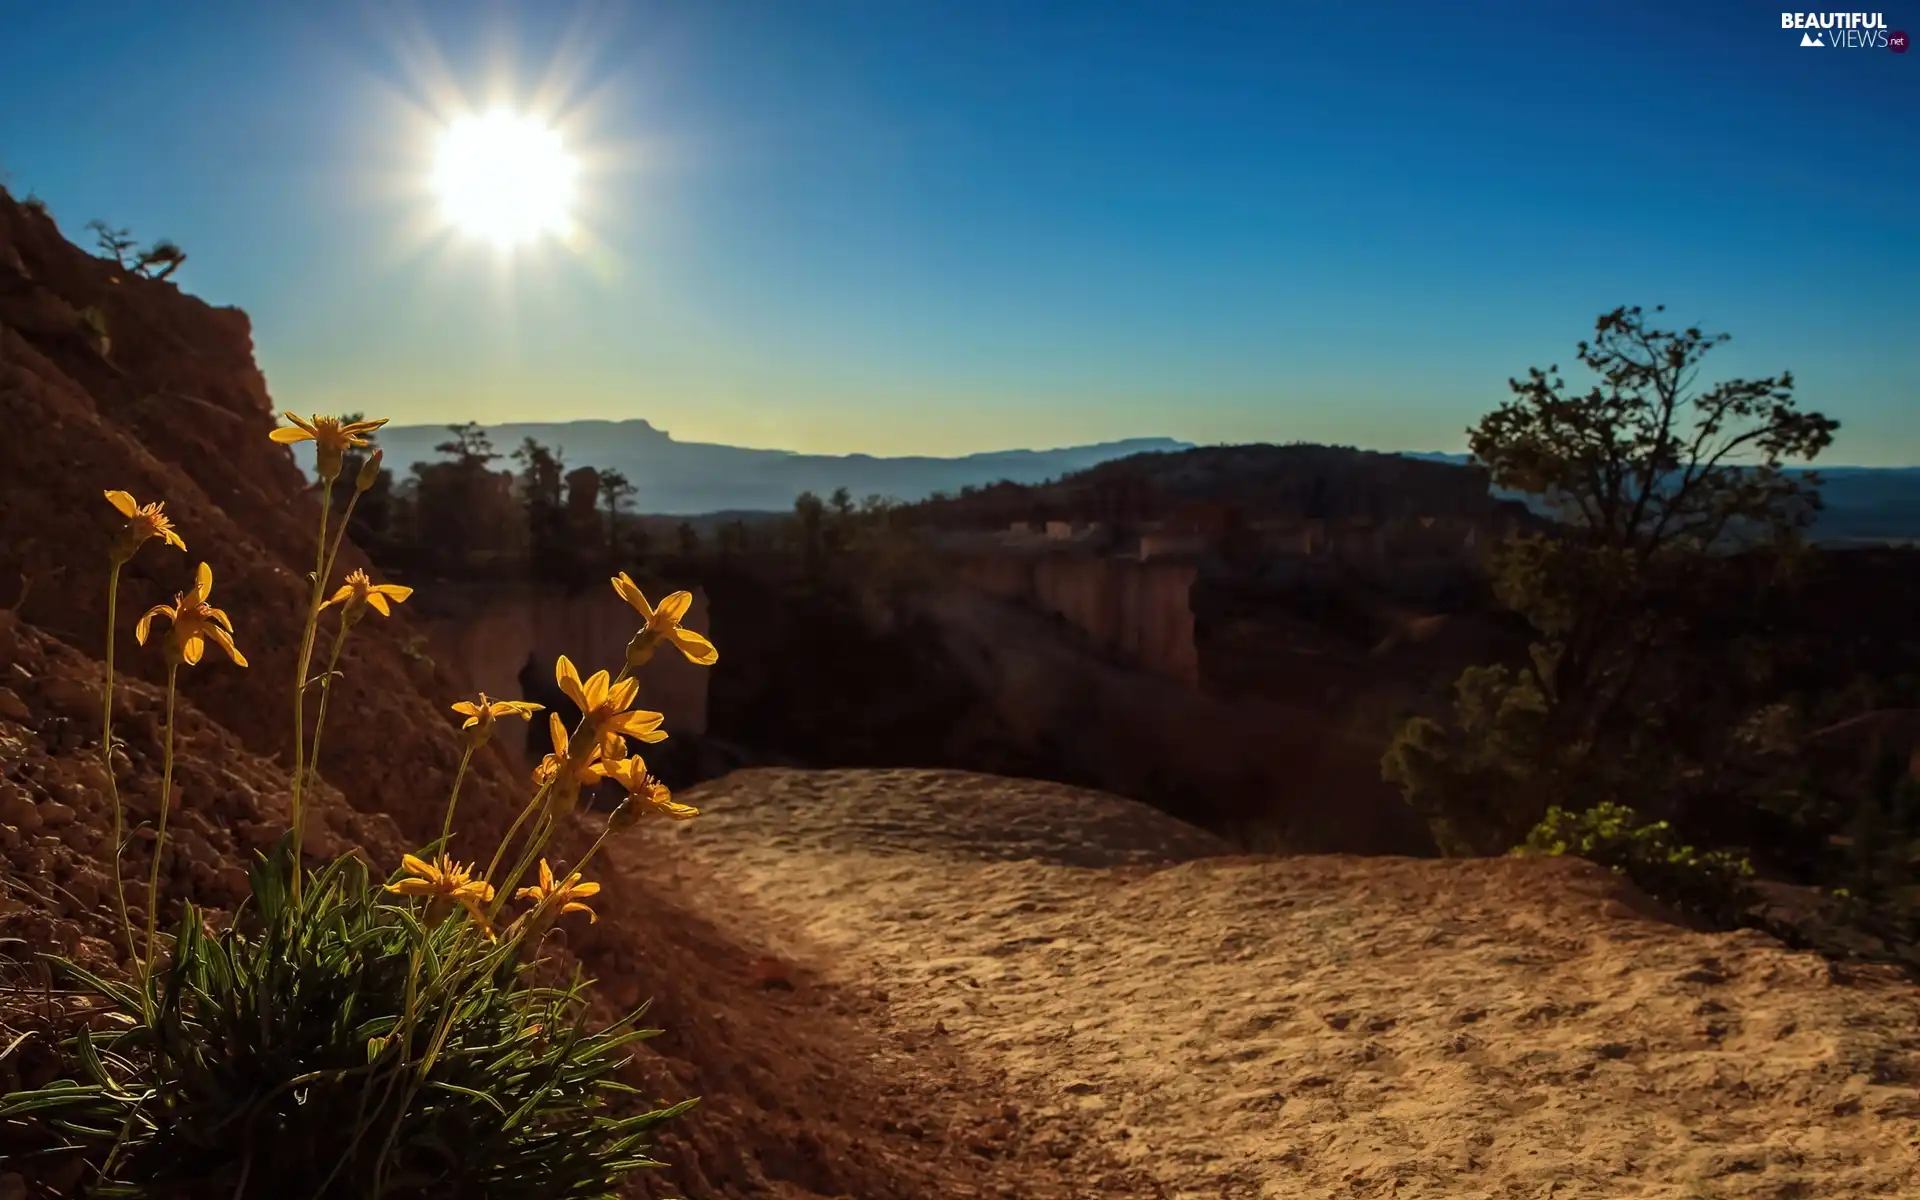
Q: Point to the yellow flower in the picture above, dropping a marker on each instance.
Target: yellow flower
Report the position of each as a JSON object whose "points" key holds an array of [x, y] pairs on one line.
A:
{"points": [[360, 592], [443, 882], [663, 623], [194, 621], [567, 893], [331, 437], [481, 715], [606, 704], [143, 521], [631, 773]]}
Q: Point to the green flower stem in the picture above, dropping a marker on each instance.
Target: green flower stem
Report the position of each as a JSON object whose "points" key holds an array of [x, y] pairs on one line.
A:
{"points": [[296, 806], [323, 568], [106, 760], [326, 692], [160, 837], [536, 842], [500, 851], [459, 777]]}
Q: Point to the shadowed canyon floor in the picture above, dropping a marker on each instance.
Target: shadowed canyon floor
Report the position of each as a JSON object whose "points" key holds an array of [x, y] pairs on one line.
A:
{"points": [[1160, 1018]]}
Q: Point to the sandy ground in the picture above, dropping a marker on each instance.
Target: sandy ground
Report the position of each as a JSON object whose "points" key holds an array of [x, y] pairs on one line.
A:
{"points": [[1164, 1019]]}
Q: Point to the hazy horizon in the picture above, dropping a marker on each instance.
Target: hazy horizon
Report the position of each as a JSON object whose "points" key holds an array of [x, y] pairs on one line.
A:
{"points": [[950, 229]]}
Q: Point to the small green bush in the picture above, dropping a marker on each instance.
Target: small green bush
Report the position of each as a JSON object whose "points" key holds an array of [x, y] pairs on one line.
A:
{"points": [[1710, 884]]}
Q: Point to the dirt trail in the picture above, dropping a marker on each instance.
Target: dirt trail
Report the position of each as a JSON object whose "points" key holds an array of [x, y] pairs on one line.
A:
{"points": [[1164, 1019]]}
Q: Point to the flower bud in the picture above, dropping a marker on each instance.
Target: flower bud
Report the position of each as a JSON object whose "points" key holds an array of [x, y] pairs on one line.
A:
{"points": [[480, 732], [641, 648], [369, 472], [326, 463]]}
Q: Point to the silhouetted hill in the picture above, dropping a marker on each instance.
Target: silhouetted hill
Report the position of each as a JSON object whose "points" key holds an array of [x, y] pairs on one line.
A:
{"points": [[1862, 503], [1256, 480], [702, 477]]}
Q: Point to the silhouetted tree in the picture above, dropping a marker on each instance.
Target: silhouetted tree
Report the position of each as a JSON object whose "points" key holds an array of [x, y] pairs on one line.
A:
{"points": [[456, 503], [1653, 480], [615, 490], [810, 521], [542, 473], [159, 260], [733, 539], [116, 244], [470, 448], [689, 540]]}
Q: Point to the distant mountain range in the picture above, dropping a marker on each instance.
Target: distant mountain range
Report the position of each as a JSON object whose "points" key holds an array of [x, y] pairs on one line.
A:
{"points": [[1861, 503], [685, 478], [701, 477]]}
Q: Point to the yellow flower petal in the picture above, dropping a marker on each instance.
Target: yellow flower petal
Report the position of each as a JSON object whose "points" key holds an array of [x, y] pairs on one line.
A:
{"points": [[146, 621], [699, 651], [225, 641], [378, 603], [673, 608], [569, 681], [597, 691], [123, 502], [287, 435], [638, 724], [626, 589]]}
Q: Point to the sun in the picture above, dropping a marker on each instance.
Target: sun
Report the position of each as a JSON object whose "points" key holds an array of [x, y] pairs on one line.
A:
{"points": [[505, 177]]}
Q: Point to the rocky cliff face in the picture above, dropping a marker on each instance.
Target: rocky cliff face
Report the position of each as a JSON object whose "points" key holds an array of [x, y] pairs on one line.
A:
{"points": [[1136, 611], [108, 380]]}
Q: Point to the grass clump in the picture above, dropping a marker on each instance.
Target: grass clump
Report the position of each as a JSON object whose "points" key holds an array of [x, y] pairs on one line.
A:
{"points": [[352, 1037]]}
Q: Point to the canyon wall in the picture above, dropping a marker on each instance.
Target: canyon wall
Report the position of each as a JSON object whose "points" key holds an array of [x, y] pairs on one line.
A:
{"points": [[1136, 611], [1279, 774]]}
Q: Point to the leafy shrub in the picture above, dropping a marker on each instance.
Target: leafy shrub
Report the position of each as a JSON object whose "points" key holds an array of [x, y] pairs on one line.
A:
{"points": [[1710, 884], [342, 1038]]}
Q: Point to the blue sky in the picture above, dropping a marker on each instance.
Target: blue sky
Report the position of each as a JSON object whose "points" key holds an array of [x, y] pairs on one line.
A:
{"points": [[910, 227]]}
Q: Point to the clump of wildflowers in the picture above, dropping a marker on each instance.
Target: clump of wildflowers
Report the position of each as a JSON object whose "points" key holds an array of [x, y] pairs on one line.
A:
{"points": [[353, 1038]]}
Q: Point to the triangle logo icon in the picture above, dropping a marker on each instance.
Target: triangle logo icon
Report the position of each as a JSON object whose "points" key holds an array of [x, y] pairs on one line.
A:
{"points": [[1808, 39]]}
